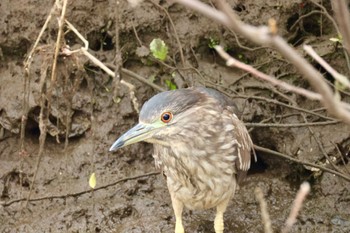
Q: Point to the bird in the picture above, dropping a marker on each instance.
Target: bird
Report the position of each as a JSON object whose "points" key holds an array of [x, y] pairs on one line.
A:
{"points": [[200, 145]]}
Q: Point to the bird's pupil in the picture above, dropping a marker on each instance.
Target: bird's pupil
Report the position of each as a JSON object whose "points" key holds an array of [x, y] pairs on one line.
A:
{"points": [[166, 116]]}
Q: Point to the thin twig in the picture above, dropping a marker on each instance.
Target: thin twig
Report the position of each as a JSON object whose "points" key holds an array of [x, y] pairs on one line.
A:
{"points": [[242, 46], [274, 101], [342, 16], [175, 32], [45, 110], [340, 9], [26, 87], [341, 157], [27, 64], [230, 61], [42, 138], [284, 105], [264, 212], [84, 50], [59, 196], [262, 35], [257, 66], [319, 144], [138, 77], [118, 56], [292, 125], [304, 16], [29, 58], [325, 12], [58, 45], [321, 20], [118, 60], [297, 204], [136, 35], [142, 79], [323, 168], [337, 76]]}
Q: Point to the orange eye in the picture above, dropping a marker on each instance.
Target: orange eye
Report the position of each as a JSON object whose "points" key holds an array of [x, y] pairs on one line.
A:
{"points": [[166, 117]]}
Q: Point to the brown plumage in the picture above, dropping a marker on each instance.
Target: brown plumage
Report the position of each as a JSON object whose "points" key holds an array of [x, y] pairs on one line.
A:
{"points": [[199, 144]]}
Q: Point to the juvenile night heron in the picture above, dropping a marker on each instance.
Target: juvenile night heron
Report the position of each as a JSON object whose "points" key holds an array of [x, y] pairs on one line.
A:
{"points": [[199, 144]]}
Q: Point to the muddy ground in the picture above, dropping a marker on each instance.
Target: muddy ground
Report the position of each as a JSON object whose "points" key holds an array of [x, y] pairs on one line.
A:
{"points": [[129, 196]]}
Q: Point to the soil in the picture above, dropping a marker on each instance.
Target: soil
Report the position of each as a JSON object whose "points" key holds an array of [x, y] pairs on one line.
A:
{"points": [[129, 195]]}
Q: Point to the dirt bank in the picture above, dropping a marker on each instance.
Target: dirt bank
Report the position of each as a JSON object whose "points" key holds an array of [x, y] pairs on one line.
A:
{"points": [[130, 197]]}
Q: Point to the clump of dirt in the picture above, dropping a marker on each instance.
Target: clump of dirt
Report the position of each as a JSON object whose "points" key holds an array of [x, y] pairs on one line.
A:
{"points": [[89, 110]]}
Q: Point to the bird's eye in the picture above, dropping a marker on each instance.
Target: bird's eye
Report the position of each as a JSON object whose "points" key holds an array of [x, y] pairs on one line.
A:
{"points": [[166, 117]]}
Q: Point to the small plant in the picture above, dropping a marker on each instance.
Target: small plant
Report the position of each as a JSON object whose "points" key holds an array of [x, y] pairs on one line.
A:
{"points": [[337, 39], [212, 43], [159, 49], [170, 84]]}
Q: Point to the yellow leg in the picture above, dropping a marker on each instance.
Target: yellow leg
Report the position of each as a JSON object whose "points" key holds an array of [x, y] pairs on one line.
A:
{"points": [[219, 218], [178, 207]]}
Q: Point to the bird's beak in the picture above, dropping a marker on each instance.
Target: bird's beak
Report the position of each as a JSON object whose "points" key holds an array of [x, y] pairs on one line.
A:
{"points": [[138, 133]]}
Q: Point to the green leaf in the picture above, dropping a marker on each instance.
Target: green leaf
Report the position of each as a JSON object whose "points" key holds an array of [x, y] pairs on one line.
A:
{"points": [[159, 49], [212, 43], [170, 84], [92, 180]]}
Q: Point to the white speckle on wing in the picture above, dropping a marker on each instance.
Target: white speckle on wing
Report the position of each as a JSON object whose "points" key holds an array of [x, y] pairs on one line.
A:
{"points": [[226, 146], [229, 127]]}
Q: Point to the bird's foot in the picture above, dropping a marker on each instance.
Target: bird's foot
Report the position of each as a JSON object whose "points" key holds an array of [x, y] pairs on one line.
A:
{"points": [[219, 229], [219, 224], [179, 227]]}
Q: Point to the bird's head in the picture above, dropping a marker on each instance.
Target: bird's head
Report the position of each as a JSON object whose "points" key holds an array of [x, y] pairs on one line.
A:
{"points": [[164, 116]]}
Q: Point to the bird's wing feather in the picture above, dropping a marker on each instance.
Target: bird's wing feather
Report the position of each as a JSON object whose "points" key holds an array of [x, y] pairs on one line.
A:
{"points": [[245, 145], [243, 138]]}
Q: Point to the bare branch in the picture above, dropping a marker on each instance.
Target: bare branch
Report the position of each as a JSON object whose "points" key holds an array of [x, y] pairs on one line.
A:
{"points": [[323, 168], [342, 17], [84, 50], [298, 202], [65, 195], [230, 61], [339, 77], [138, 77], [174, 29], [279, 125], [262, 35], [58, 44], [45, 108], [264, 212]]}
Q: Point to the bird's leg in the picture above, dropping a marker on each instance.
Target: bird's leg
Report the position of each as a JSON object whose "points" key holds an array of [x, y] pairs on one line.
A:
{"points": [[178, 207], [219, 218]]}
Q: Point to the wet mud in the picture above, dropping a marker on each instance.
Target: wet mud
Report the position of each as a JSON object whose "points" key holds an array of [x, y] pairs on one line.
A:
{"points": [[130, 195]]}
